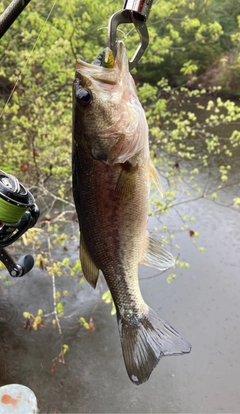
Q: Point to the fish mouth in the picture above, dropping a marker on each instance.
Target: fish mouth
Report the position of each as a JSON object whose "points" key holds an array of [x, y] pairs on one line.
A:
{"points": [[109, 75]]}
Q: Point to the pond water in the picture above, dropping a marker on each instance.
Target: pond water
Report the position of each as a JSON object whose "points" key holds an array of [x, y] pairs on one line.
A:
{"points": [[202, 303]]}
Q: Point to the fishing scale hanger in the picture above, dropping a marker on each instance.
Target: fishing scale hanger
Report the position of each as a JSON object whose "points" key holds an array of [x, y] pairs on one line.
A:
{"points": [[18, 213], [136, 12]]}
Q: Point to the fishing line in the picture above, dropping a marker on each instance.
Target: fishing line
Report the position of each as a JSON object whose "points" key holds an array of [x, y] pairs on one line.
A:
{"points": [[133, 28], [118, 30], [26, 63], [10, 213], [155, 4], [125, 35]]}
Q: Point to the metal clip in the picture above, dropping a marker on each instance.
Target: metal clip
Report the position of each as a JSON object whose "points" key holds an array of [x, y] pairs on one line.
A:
{"points": [[142, 7], [136, 12]]}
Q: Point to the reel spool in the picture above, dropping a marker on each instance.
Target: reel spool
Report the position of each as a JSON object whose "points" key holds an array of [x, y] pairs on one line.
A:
{"points": [[18, 213]]}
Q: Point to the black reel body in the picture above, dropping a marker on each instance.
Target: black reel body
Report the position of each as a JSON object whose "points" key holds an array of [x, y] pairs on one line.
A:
{"points": [[18, 213]]}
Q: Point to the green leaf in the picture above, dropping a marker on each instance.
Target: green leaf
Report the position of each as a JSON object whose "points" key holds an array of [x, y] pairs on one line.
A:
{"points": [[236, 201], [27, 315], [66, 261], [65, 348], [107, 297], [60, 307], [113, 311]]}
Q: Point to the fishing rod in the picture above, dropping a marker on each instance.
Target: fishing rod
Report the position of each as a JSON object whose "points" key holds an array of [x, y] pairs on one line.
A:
{"points": [[18, 210], [10, 14]]}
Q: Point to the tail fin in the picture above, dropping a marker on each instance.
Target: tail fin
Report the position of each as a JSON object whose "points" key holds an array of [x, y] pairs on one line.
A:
{"points": [[145, 340]]}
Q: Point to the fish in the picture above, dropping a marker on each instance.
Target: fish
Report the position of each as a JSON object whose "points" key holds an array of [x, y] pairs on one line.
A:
{"points": [[112, 170]]}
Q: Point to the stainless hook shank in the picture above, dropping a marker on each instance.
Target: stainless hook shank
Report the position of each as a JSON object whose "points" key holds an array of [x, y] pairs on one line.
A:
{"points": [[128, 16]]}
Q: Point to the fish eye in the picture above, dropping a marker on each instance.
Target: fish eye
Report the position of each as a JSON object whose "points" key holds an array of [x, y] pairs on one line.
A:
{"points": [[84, 97]]}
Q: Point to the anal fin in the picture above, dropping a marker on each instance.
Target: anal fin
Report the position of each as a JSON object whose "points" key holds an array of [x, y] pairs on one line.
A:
{"points": [[155, 255], [89, 268]]}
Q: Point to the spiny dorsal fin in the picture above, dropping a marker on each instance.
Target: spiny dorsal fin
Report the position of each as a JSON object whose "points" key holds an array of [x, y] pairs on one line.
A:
{"points": [[155, 255], [155, 177], [89, 269]]}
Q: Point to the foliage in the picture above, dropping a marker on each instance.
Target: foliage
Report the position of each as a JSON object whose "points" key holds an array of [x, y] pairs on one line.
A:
{"points": [[107, 298], [185, 142], [39, 51], [188, 31]]}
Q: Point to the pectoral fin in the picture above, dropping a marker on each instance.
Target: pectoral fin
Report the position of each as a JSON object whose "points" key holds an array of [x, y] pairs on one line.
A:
{"points": [[126, 183], [155, 177], [155, 255], [89, 269]]}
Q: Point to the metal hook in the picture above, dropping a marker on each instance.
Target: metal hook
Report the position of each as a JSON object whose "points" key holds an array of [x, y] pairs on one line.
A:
{"points": [[136, 12]]}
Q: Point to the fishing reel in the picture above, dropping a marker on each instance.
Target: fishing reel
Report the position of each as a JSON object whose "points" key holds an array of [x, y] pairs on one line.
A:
{"points": [[18, 213]]}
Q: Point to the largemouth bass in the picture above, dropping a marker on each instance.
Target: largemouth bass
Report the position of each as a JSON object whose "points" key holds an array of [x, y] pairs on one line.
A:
{"points": [[111, 175]]}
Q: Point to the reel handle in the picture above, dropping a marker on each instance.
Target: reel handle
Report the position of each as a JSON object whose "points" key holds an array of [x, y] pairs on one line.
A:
{"points": [[26, 263], [19, 268]]}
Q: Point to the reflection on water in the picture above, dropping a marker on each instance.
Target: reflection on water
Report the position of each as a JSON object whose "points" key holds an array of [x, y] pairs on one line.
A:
{"points": [[202, 303], [8, 312]]}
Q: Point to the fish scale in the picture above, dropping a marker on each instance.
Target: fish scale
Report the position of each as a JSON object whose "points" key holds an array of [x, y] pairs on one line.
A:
{"points": [[111, 175]]}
